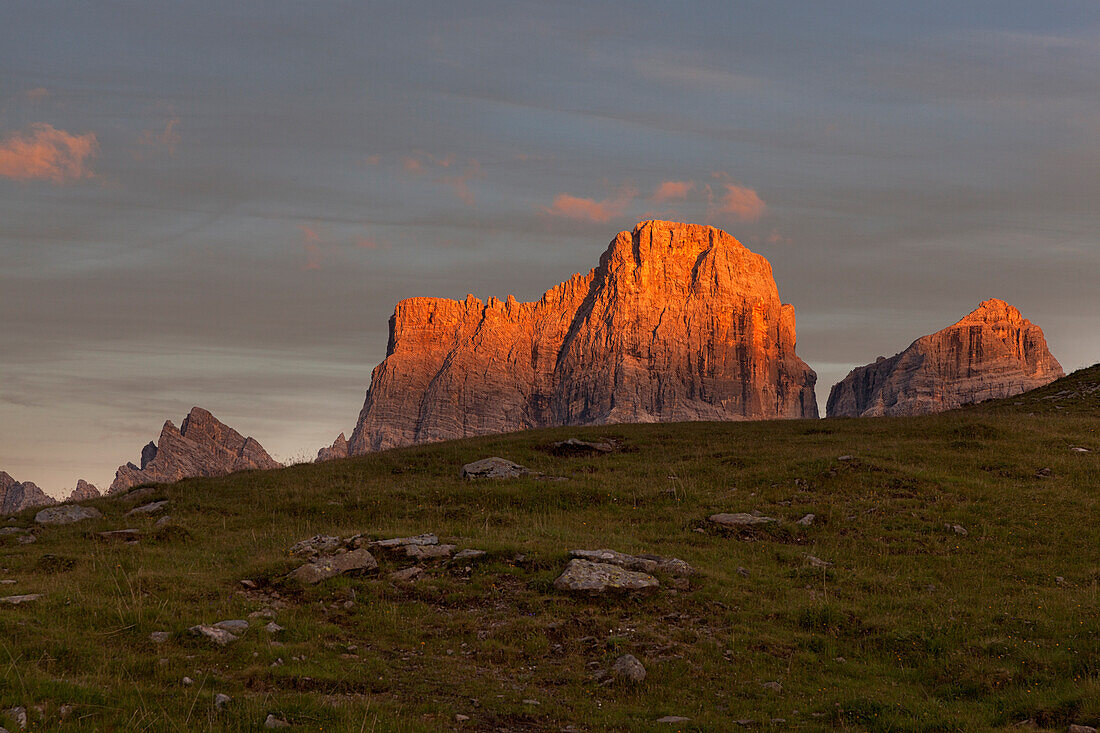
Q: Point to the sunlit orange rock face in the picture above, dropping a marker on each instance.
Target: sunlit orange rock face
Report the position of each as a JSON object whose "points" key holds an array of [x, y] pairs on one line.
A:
{"points": [[678, 322], [992, 352]]}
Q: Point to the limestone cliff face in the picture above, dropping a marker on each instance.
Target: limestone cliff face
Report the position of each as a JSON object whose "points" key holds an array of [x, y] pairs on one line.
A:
{"points": [[16, 496], [678, 322], [202, 446], [992, 352], [83, 491]]}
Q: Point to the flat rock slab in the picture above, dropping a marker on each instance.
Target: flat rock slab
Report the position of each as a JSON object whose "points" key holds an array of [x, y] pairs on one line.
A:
{"points": [[740, 519], [583, 576], [150, 508], [494, 467], [398, 542], [577, 447], [469, 554], [120, 535], [236, 626], [17, 600], [5, 531], [641, 563], [332, 565], [429, 552], [221, 637], [66, 514]]}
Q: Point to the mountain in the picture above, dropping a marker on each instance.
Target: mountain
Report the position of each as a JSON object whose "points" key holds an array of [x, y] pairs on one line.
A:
{"points": [[83, 490], [202, 446], [16, 496], [992, 352], [678, 322]]}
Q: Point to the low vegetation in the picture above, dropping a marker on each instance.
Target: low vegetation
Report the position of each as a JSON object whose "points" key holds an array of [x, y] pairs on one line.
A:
{"points": [[960, 591]]}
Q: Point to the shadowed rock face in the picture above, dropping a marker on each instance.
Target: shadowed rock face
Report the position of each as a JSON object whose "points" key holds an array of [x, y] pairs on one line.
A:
{"points": [[202, 446], [678, 322], [83, 490], [16, 496], [992, 352]]}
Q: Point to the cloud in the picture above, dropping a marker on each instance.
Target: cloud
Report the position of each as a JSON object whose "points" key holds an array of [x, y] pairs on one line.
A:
{"points": [[372, 160], [312, 244], [412, 165], [574, 207], [669, 190], [37, 93], [167, 138], [417, 162], [461, 183], [47, 154], [367, 243], [740, 201]]}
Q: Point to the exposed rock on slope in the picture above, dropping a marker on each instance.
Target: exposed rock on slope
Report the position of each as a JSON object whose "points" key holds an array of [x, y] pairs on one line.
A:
{"points": [[338, 449], [992, 352], [16, 496], [83, 490], [678, 322], [202, 446]]}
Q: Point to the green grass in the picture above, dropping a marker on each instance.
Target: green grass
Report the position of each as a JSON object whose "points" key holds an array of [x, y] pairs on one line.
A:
{"points": [[913, 628]]}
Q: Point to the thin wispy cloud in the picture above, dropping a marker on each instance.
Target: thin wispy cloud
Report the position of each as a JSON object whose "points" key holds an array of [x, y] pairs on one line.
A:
{"points": [[574, 207], [166, 139], [311, 242], [44, 153], [672, 191], [37, 93], [732, 199]]}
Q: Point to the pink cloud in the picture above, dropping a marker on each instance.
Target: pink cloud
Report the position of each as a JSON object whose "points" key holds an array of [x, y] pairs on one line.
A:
{"points": [[37, 93], [742, 202], [47, 154], [367, 243], [461, 183], [574, 207], [412, 165], [372, 159], [312, 244], [167, 138], [670, 190]]}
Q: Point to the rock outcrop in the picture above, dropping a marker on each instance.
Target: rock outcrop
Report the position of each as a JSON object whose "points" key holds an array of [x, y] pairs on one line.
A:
{"points": [[16, 496], [83, 491], [992, 352], [202, 446], [678, 322], [338, 449]]}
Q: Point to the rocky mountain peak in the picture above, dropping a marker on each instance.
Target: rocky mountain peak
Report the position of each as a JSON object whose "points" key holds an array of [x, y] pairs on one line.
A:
{"points": [[991, 352], [16, 496], [202, 446], [678, 322]]}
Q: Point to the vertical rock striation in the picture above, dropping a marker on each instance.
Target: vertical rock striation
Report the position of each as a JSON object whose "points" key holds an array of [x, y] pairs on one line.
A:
{"points": [[992, 352], [202, 446], [678, 322]]}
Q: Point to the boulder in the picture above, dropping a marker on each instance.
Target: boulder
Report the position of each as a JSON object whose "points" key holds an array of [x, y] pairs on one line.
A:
{"points": [[66, 514], [150, 508], [628, 668], [494, 467], [740, 520], [329, 566], [642, 563], [19, 600], [583, 576], [678, 322], [577, 447], [221, 637]]}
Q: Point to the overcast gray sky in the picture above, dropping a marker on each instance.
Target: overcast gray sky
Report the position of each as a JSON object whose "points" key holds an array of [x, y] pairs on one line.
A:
{"points": [[218, 204]]}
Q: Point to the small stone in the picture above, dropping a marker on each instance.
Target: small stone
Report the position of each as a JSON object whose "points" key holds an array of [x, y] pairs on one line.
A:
{"points": [[429, 552], [673, 719], [221, 637], [773, 686], [628, 667], [273, 628], [221, 700], [817, 562], [959, 529], [844, 458], [494, 467], [407, 575], [469, 555], [314, 546], [237, 626], [187, 681], [460, 718], [1075, 728], [1043, 473], [1078, 449], [576, 447], [806, 521], [250, 584], [582, 576], [159, 637], [26, 539], [274, 722], [420, 539], [743, 572], [17, 600], [19, 715], [150, 508], [7, 581], [329, 567], [163, 521], [65, 711], [128, 536], [530, 701], [66, 514]]}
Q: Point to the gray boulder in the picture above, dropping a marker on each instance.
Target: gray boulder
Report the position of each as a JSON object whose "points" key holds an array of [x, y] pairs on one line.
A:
{"points": [[627, 667], [66, 514], [582, 576], [494, 467]]}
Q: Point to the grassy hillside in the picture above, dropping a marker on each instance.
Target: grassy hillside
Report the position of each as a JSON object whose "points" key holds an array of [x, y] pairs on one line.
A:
{"points": [[914, 626]]}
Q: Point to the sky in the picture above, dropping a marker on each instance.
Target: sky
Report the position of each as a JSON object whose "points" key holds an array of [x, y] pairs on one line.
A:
{"points": [[219, 204]]}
